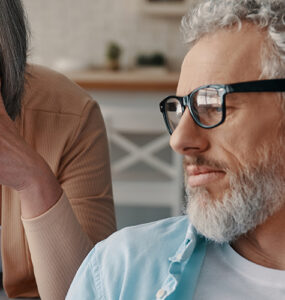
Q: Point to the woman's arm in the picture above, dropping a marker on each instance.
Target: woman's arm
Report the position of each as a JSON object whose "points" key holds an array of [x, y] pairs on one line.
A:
{"points": [[61, 227], [60, 238]]}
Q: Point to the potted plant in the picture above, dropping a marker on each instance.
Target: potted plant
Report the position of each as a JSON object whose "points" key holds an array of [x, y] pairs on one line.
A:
{"points": [[113, 54]]}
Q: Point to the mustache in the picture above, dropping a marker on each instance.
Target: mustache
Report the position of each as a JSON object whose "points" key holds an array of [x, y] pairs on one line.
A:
{"points": [[202, 161]]}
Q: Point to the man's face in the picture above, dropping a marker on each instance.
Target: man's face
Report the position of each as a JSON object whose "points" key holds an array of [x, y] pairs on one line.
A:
{"points": [[230, 170]]}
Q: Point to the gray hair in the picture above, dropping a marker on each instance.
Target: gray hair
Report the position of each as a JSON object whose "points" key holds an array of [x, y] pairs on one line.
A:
{"points": [[207, 16], [13, 52]]}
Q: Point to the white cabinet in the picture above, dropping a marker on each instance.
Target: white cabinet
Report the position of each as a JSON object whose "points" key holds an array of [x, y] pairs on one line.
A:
{"points": [[169, 8]]}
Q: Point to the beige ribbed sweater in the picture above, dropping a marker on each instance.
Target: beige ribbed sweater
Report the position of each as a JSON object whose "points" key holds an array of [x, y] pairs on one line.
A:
{"points": [[65, 126]]}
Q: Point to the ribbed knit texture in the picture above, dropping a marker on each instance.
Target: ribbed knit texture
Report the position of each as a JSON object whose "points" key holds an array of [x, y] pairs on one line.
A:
{"points": [[53, 278], [65, 126]]}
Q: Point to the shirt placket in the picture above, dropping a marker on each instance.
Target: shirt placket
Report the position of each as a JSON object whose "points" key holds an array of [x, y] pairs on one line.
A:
{"points": [[177, 264]]}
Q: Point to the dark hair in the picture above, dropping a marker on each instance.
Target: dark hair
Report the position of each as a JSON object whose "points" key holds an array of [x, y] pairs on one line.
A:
{"points": [[13, 54]]}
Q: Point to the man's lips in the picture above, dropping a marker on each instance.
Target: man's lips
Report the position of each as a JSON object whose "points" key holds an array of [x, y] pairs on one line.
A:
{"points": [[202, 175]]}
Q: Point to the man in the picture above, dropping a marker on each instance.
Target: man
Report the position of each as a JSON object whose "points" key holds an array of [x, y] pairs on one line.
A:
{"points": [[228, 123]]}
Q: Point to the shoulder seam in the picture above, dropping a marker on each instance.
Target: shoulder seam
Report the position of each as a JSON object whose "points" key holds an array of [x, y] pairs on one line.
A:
{"points": [[77, 129]]}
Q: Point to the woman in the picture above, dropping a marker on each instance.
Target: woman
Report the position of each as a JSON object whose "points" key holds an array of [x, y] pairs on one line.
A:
{"points": [[56, 195]]}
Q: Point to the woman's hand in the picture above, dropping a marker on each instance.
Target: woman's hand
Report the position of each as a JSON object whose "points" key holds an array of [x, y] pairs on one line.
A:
{"points": [[24, 170]]}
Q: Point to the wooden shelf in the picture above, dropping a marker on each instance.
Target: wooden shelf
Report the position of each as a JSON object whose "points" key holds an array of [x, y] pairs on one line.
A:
{"points": [[134, 80]]}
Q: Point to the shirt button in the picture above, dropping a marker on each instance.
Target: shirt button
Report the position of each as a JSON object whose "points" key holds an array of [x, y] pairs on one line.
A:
{"points": [[179, 256], [160, 293]]}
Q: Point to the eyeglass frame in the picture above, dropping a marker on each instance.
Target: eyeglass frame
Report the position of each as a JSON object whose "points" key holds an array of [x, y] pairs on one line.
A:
{"points": [[267, 85]]}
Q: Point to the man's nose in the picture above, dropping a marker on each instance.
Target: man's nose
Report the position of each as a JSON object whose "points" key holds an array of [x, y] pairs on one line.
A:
{"points": [[188, 138]]}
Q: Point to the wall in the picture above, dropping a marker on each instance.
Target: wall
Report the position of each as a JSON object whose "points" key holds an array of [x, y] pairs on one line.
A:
{"points": [[78, 31]]}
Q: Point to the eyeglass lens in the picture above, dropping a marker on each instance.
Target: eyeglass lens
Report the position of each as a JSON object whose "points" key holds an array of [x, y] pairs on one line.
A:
{"points": [[174, 111], [206, 106]]}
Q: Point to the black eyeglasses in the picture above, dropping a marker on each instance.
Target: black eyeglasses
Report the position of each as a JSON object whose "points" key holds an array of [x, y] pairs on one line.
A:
{"points": [[207, 104]]}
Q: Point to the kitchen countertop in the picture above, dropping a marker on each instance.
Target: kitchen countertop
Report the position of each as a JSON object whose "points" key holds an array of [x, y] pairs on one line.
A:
{"points": [[127, 80]]}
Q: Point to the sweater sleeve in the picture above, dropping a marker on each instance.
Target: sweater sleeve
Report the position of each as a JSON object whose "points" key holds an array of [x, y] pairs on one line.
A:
{"points": [[58, 246], [60, 239]]}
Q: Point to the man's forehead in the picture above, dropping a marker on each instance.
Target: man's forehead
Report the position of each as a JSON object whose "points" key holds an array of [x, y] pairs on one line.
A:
{"points": [[228, 55]]}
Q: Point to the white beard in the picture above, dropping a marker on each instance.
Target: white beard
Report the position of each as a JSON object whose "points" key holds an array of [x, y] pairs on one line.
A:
{"points": [[253, 196]]}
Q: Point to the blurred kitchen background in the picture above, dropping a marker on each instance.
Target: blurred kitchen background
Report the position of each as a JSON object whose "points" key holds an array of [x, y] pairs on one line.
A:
{"points": [[127, 55]]}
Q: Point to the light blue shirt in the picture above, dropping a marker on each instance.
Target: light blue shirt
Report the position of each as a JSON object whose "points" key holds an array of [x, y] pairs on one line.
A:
{"points": [[158, 260]]}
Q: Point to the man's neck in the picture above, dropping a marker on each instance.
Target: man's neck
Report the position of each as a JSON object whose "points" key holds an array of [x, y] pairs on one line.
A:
{"points": [[266, 244]]}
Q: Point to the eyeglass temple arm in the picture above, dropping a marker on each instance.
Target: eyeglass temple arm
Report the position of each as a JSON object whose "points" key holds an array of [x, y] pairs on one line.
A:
{"points": [[272, 85]]}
